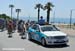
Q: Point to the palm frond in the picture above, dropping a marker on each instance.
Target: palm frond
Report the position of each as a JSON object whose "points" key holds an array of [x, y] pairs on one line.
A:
{"points": [[49, 6], [39, 6], [49, 3], [42, 7], [45, 7]]}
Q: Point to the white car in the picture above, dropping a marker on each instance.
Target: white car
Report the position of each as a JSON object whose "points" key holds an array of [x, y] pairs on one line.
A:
{"points": [[47, 35]]}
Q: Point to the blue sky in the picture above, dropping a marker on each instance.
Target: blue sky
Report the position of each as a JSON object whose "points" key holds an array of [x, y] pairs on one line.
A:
{"points": [[62, 7]]}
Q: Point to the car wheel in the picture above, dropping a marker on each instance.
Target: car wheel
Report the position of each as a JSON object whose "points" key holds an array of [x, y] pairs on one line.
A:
{"points": [[29, 36], [64, 44], [43, 42]]}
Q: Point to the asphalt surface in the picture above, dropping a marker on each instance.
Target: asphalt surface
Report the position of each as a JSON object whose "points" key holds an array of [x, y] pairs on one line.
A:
{"points": [[17, 44]]}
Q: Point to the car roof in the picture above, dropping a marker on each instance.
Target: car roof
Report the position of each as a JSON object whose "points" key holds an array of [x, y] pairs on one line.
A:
{"points": [[50, 25]]}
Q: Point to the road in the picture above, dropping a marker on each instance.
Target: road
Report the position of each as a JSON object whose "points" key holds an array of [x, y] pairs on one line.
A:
{"points": [[6, 44]]}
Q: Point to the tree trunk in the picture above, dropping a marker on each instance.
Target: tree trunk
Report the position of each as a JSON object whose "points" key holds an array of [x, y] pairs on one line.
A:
{"points": [[48, 16], [38, 14]]}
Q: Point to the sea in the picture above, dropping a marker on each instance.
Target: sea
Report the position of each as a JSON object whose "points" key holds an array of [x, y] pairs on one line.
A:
{"points": [[64, 20]]}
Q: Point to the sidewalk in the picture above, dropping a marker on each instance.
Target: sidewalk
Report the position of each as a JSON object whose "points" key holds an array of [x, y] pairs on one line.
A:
{"points": [[70, 32]]}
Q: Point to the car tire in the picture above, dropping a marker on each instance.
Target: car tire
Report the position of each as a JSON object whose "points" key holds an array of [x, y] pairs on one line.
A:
{"points": [[43, 42], [64, 44], [29, 36]]}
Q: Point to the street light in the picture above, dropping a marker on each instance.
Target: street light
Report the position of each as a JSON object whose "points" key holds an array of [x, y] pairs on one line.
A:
{"points": [[71, 11]]}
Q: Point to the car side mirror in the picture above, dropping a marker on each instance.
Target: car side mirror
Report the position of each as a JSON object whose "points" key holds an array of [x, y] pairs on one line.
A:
{"points": [[37, 30]]}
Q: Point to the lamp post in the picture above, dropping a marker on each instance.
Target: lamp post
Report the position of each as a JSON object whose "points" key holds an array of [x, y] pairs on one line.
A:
{"points": [[70, 18], [71, 11]]}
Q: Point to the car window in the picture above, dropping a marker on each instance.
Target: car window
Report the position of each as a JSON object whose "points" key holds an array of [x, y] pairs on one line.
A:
{"points": [[35, 27], [49, 28]]}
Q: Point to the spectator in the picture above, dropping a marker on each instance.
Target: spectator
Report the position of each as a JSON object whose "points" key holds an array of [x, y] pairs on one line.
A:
{"points": [[41, 21], [19, 26], [27, 25], [10, 26]]}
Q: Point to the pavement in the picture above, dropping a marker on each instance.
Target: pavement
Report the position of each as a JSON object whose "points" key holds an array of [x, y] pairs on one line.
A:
{"points": [[69, 32], [17, 44]]}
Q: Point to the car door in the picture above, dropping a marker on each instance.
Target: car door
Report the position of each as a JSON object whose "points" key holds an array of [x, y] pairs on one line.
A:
{"points": [[35, 32]]}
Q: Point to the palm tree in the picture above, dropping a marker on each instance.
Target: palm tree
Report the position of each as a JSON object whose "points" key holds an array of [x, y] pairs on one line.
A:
{"points": [[11, 6], [38, 6], [48, 7], [18, 11]]}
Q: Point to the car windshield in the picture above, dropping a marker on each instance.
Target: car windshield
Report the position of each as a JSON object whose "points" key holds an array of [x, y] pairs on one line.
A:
{"points": [[50, 28]]}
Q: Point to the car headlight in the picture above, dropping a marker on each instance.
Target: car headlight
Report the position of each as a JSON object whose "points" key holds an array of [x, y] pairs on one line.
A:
{"points": [[66, 37], [49, 37]]}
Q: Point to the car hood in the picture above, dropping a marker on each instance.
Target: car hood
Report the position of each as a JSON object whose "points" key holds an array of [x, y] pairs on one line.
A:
{"points": [[54, 33]]}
